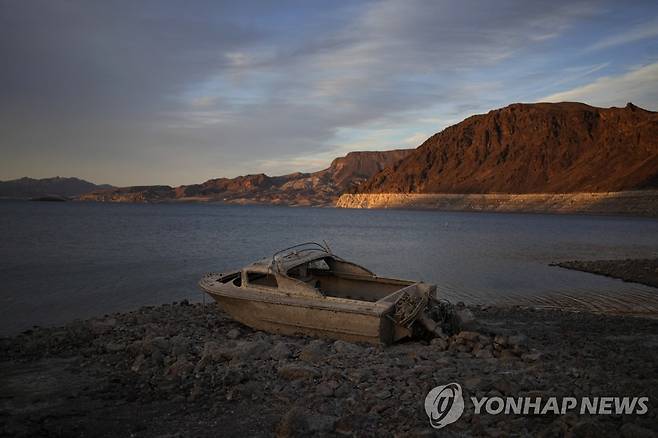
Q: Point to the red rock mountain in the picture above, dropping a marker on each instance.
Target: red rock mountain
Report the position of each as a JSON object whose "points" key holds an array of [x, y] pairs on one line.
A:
{"points": [[317, 188], [532, 148]]}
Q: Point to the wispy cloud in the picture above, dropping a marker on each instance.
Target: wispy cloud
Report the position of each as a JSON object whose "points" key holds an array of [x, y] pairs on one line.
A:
{"points": [[638, 85], [645, 30]]}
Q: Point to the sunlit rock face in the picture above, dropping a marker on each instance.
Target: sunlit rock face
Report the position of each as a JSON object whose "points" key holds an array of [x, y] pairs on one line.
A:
{"points": [[632, 202], [532, 148]]}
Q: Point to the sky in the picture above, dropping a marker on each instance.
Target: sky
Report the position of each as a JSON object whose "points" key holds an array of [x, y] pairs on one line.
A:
{"points": [[162, 92]]}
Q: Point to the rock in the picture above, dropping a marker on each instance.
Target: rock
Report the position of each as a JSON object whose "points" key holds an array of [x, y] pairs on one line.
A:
{"points": [[280, 351], [590, 428], [299, 422], [357, 425], [346, 347], [180, 345], [149, 345], [532, 357], [252, 350], [632, 430], [439, 344], [102, 326], [233, 334], [315, 351], [212, 349], [473, 383], [250, 390], [293, 423], [518, 342], [139, 363], [507, 354], [115, 347], [343, 391], [468, 336], [156, 357], [325, 389], [297, 372], [318, 423], [180, 368], [212, 352], [504, 386], [484, 353], [466, 318], [232, 377], [500, 341], [195, 392]]}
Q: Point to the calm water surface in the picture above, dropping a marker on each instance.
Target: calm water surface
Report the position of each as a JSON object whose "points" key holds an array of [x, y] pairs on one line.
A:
{"points": [[61, 261]]}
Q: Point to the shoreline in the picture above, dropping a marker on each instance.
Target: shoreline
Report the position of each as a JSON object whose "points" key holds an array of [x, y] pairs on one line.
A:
{"points": [[642, 203], [640, 271], [190, 369], [639, 203]]}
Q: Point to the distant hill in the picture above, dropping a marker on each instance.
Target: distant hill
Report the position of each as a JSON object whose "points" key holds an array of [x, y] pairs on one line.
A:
{"points": [[532, 148], [25, 188], [317, 188]]}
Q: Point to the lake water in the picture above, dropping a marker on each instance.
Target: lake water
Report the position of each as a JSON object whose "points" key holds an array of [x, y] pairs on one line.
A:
{"points": [[61, 261]]}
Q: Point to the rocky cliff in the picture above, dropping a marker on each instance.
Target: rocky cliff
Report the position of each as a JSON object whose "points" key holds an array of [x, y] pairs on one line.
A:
{"points": [[320, 188], [25, 188], [532, 148]]}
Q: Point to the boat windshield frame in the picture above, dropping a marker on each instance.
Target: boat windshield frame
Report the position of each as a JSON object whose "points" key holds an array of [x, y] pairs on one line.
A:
{"points": [[296, 252]]}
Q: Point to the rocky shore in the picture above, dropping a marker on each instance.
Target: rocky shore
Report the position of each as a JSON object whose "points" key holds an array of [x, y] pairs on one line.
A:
{"points": [[643, 271], [189, 370], [632, 203]]}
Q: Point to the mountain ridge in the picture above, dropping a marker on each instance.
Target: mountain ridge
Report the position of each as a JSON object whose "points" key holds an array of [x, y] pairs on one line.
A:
{"points": [[26, 187], [321, 188], [562, 147]]}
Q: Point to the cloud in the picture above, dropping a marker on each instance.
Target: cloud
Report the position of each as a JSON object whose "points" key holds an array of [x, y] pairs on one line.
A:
{"points": [[648, 29], [637, 86], [160, 92], [387, 59]]}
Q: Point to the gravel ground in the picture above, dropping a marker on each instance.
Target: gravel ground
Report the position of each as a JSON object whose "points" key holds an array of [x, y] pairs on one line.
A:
{"points": [[190, 371]]}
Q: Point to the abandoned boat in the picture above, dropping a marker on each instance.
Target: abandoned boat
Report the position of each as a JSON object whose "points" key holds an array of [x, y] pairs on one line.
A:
{"points": [[308, 290]]}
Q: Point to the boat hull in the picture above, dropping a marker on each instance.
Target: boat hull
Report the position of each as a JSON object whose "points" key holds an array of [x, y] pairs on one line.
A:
{"points": [[306, 321], [325, 317]]}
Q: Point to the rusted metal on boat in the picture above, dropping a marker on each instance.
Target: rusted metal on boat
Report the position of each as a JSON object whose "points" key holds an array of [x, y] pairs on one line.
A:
{"points": [[307, 289]]}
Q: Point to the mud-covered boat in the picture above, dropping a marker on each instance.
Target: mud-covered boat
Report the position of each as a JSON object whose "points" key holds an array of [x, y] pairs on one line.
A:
{"points": [[308, 290]]}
